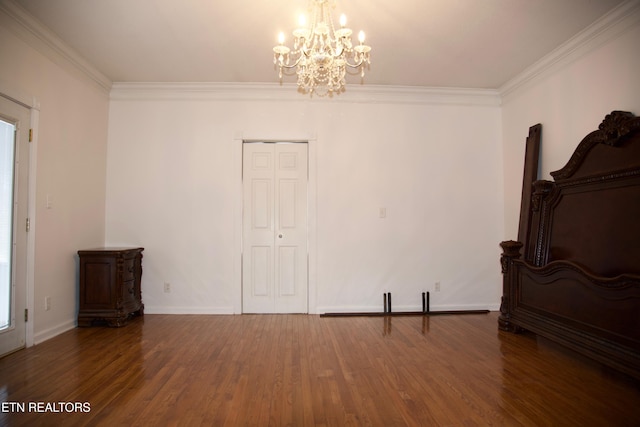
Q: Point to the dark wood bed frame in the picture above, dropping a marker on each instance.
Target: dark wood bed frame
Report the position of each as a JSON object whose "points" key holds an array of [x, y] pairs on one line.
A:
{"points": [[574, 274]]}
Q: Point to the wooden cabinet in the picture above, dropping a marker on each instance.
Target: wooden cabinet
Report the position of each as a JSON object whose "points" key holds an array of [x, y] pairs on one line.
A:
{"points": [[110, 285]]}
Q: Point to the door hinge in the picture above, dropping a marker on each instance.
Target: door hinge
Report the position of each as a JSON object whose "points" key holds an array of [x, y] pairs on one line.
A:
{"points": [[30, 135], [28, 227], [26, 314]]}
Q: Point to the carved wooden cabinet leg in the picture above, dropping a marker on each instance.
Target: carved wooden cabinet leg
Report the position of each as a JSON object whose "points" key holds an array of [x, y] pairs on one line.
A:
{"points": [[117, 322], [84, 322]]}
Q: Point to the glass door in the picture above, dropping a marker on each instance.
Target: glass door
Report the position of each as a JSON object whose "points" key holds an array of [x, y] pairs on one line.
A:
{"points": [[14, 177], [7, 155]]}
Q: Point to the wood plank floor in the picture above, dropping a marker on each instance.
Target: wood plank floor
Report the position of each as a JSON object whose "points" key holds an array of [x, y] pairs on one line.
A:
{"points": [[299, 370]]}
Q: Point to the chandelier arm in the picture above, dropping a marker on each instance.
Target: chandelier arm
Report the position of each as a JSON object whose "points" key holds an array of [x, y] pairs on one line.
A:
{"points": [[292, 65], [355, 64]]}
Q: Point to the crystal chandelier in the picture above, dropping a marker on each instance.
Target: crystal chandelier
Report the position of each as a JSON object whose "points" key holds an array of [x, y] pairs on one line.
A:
{"points": [[321, 53]]}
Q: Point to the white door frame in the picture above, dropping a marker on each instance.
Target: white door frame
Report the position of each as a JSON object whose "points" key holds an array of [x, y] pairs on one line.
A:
{"points": [[33, 104], [238, 140]]}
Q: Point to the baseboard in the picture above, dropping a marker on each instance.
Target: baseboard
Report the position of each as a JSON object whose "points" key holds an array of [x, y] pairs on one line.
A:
{"points": [[320, 310], [186, 310], [42, 336]]}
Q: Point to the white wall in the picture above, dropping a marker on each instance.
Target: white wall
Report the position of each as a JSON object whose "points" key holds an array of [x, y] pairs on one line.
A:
{"points": [[71, 168], [172, 188], [570, 99]]}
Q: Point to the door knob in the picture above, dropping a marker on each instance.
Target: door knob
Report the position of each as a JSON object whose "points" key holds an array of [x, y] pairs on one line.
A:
{"points": [[280, 236]]}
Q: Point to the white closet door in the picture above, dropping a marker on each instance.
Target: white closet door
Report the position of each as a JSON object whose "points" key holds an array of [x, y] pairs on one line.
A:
{"points": [[275, 235]]}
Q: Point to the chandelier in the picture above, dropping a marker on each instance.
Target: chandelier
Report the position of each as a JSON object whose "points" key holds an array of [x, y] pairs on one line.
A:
{"points": [[321, 53]]}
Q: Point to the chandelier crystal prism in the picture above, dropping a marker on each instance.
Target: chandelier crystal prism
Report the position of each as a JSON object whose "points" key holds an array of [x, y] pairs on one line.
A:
{"points": [[321, 53]]}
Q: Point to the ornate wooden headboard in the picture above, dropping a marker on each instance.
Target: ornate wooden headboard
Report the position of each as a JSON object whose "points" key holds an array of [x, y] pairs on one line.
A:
{"points": [[578, 280]]}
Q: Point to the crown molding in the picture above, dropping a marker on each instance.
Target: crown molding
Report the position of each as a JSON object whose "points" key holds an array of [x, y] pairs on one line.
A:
{"points": [[38, 36], [609, 26], [288, 93]]}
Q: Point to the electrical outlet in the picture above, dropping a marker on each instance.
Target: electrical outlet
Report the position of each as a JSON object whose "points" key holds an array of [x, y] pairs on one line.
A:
{"points": [[167, 287], [437, 287], [47, 303]]}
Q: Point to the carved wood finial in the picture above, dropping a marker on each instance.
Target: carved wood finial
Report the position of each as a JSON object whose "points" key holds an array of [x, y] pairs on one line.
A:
{"points": [[541, 189], [510, 250], [617, 125], [613, 129]]}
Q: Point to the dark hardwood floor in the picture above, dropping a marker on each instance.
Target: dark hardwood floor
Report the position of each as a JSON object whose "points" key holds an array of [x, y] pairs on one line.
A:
{"points": [[299, 370]]}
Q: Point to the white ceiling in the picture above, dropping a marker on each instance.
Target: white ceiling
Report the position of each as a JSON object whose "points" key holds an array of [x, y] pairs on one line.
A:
{"points": [[431, 43]]}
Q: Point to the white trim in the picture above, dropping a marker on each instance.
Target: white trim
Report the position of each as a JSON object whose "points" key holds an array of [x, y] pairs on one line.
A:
{"points": [[236, 183], [48, 43], [288, 92], [609, 26], [33, 105], [49, 333], [158, 309], [30, 339], [312, 197], [11, 92]]}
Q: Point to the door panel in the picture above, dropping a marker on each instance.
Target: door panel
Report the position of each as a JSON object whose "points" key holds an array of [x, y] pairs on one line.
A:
{"points": [[261, 204], [258, 229], [261, 271], [275, 228], [287, 199], [287, 268]]}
